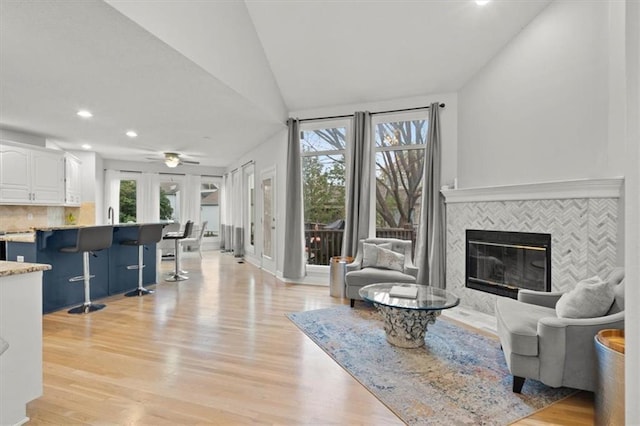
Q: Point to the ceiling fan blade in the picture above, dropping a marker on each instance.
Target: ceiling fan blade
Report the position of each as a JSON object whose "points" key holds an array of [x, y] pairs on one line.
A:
{"points": [[189, 162]]}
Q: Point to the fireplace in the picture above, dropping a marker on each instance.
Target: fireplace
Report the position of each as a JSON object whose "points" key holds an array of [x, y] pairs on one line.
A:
{"points": [[503, 262]]}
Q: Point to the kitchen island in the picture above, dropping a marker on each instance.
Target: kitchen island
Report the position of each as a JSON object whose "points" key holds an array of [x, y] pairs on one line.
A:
{"points": [[109, 266], [20, 338]]}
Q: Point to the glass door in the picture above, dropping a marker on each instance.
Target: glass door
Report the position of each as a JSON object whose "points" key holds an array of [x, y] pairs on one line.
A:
{"points": [[268, 220]]}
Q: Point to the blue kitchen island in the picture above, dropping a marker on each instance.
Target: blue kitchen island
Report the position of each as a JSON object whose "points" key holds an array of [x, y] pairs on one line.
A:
{"points": [[109, 266]]}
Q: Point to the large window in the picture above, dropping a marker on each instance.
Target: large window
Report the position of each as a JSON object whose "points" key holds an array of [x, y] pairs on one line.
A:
{"points": [[128, 200], [397, 166], [170, 193], [400, 142], [323, 146]]}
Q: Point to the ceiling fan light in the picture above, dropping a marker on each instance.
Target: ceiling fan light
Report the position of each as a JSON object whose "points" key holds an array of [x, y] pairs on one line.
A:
{"points": [[172, 161]]}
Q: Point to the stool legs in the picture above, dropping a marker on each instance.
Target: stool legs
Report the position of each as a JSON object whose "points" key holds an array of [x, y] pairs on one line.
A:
{"points": [[87, 306], [140, 291], [176, 273]]}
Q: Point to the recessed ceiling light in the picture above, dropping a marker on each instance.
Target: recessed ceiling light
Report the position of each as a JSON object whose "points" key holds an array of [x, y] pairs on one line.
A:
{"points": [[84, 113], [481, 2], [131, 134], [86, 146]]}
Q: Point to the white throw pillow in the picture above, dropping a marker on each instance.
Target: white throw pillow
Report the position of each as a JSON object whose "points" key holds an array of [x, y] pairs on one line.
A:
{"points": [[590, 298], [370, 253], [389, 259]]}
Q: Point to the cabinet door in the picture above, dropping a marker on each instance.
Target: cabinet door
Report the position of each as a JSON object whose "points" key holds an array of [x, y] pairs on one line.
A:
{"points": [[47, 178], [15, 174], [72, 180]]}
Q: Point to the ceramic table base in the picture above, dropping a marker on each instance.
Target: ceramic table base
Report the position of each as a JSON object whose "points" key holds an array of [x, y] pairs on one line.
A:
{"points": [[406, 328]]}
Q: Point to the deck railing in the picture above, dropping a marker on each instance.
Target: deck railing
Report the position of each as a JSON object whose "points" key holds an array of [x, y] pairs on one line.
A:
{"points": [[322, 244]]}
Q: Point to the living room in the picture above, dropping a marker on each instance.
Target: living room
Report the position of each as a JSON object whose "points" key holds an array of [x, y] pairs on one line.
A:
{"points": [[551, 116]]}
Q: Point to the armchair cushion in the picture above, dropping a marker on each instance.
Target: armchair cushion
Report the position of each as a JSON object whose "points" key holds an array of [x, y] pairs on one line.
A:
{"points": [[370, 253], [618, 301], [388, 259], [519, 323], [590, 298], [366, 276]]}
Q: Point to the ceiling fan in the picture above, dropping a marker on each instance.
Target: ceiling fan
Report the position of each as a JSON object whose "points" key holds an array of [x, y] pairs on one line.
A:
{"points": [[174, 159]]}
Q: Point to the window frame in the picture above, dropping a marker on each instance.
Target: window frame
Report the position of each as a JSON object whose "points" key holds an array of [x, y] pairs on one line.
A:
{"points": [[311, 125], [388, 118]]}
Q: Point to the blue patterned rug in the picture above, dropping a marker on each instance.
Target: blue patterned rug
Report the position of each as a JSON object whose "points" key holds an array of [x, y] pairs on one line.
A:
{"points": [[457, 378]]}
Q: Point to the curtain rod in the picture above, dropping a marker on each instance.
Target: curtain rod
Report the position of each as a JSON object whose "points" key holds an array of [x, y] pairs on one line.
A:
{"points": [[442, 105]]}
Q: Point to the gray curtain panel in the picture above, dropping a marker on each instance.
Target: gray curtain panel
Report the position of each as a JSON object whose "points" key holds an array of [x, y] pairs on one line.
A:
{"points": [[431, 244], [222, 237], [359, 190], [294, 264]]}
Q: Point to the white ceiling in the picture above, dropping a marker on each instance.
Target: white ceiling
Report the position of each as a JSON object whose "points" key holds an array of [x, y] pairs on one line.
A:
{"points": [[213, 79]]}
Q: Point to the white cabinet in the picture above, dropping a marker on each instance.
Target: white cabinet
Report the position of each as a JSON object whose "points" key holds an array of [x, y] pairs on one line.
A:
{"points": [[31, 176], [72, 181], [21, 328]]}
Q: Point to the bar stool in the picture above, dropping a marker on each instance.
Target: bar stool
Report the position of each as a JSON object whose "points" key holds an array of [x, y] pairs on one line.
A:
{"points": [[177, 237], [90, 239], [147, 234]]}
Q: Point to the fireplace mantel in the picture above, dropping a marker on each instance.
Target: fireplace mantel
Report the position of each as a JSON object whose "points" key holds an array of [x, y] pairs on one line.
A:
{"points": [[578, 188]]}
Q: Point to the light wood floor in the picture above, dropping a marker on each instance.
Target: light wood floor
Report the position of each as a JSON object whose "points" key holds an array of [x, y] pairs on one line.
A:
{"points": [[216, 349]]}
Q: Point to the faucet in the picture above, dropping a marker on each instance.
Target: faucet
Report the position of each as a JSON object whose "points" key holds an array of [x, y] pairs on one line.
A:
{"points": [[110, 215]]}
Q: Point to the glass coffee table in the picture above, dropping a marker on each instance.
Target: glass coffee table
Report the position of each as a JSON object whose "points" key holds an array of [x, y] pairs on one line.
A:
{"points": [[406, 318]]}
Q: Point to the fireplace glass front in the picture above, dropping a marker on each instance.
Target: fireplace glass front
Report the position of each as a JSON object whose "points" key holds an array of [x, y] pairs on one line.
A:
{"points": [[503, 262]]}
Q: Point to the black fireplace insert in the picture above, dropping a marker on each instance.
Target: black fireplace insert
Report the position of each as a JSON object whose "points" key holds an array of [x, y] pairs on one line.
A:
{"points": [[502, 262]]}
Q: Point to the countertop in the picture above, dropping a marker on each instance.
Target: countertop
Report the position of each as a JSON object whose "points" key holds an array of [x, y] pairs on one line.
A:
{"points": [[21, 237], [30, 236], [16, 268]]}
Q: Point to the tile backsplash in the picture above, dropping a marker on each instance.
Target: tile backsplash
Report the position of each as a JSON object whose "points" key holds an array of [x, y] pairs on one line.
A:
{"points": [[22, 218]]}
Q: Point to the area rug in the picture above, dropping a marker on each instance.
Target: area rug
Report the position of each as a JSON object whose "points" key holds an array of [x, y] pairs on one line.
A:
{"points": [[458, 378]]}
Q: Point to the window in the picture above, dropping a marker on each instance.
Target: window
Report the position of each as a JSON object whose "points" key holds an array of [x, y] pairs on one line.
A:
{"points": [[170, 199], [322, 149], [210, 207], [400, 142], [128, 201]]}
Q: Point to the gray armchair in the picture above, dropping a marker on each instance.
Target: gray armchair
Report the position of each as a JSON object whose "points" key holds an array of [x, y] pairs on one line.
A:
{"points": [[358, 276], [539, 345]]}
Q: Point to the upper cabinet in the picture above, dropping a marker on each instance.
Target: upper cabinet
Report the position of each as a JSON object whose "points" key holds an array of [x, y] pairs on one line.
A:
{"points": [[31, 175], [72, 181]]}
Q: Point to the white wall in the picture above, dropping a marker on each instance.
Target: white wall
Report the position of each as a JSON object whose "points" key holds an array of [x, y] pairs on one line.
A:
{"points": [[539, 111], [632, 198]]}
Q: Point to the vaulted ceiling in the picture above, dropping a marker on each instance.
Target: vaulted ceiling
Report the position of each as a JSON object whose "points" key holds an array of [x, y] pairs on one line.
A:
{"points": [[213, 79]]}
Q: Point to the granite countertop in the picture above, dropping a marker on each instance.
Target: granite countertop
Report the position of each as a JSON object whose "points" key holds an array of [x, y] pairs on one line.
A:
{"points": [[29, 236], [20, 237], [63, 227], [16, 268]]}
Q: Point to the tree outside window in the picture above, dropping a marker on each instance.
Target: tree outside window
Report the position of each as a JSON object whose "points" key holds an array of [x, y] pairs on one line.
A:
{"points": [[323, 176], [399, 170], [128, 197], [128, 203]]}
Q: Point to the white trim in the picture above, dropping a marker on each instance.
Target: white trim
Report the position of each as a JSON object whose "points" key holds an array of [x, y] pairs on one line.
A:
{"points": [[578, 188], [321, 280]]}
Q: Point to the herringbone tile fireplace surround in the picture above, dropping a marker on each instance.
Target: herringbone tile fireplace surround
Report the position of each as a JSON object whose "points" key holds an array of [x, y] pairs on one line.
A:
{"points": [[581, 216]]}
